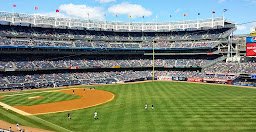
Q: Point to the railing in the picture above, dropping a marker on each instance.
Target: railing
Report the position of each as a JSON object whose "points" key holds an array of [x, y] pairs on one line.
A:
{"points": [[117, 26]]}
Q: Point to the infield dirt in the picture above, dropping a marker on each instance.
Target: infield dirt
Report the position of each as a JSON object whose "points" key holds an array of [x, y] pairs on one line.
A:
{"points": [[88, 98]]}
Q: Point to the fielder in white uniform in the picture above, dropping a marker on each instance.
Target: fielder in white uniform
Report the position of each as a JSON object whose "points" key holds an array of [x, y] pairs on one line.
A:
{"points": [[95, 115], [146, 106]]}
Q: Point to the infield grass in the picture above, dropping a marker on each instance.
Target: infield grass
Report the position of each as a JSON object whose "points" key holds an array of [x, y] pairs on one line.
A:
{"points": [[45, 97], [177, 107]]}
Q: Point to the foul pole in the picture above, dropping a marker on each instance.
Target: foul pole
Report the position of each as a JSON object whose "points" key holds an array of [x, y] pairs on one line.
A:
{"points": [[153, 70]]}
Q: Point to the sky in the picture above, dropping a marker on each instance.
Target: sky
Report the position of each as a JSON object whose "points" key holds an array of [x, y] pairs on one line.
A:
{"points": [[238, 11]]}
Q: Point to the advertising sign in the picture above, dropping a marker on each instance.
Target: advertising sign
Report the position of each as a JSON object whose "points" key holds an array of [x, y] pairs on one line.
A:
{"points": [[251, 49]]}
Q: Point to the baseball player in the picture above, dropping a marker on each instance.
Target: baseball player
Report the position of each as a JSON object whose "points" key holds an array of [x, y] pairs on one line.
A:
{"points": [[146, 106], [95, 115], [69, 116]]}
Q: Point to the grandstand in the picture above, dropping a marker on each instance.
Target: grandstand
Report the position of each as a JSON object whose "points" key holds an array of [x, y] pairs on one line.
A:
{"points": [[40, 51]]}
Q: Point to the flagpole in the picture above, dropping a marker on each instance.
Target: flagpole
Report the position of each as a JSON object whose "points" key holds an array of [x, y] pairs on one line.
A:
{"points": [[223, 16], [142, 28], [213, 15], [129, 22], [57, 11], [170, 23], [116, 21], [34, 18], [36, 8], [55, 23], [212, 19], [156, 22], [105, 26], [13, 14], [184, 21], [198, 14]]}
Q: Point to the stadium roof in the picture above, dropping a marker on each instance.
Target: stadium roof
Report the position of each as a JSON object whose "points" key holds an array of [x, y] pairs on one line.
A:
{"points": [[35, 20]]}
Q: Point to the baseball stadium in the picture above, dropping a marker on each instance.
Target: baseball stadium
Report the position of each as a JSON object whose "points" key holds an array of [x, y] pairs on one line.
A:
{"points": [[80, 74]]}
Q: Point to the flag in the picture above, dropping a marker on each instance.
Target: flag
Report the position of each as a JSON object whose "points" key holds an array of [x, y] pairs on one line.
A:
{"points": [[116, 15], [170, 16], [198, 14], [14, 5], [130, 16], [225, 10], [143, 17], [213, 12], [36, 8], [184, 14], [57, 10]]}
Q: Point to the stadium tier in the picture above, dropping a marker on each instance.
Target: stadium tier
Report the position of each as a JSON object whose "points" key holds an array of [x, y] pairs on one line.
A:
{"points": [[38, 51], [78, 63], [45, 21]]}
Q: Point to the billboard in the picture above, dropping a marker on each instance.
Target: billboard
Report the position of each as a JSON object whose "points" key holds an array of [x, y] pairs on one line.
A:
{"points": [[251, 49], [250, 40], [251, 46]]}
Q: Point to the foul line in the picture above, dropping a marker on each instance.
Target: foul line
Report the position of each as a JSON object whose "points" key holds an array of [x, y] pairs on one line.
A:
{"points": [[8, 107], [29, 115]]}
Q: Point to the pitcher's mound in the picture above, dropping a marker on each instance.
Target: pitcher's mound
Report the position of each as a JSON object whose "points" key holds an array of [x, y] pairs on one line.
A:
{"points": [[35, 97]]}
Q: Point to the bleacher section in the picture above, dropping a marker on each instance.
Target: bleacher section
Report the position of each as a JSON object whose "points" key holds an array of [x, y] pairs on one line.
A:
{"points": [[52, 54], [79, 63]]}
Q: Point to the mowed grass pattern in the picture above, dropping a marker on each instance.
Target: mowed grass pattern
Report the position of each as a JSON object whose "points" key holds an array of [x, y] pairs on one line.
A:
{"points": [[178, 107], [47, 97]]}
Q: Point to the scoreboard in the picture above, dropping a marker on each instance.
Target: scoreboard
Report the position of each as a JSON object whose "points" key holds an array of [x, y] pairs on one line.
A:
{"points": [[251, 46]]}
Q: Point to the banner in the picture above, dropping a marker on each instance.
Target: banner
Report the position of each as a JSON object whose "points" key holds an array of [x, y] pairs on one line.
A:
{"points": [[74, 67], [116, 67], [195, 80], [165, 78], [250, 40], [251, 49]]}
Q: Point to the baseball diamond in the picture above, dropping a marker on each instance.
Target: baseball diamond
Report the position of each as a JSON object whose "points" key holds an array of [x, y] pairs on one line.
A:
{"points": [[183, 106], [127, 66]]}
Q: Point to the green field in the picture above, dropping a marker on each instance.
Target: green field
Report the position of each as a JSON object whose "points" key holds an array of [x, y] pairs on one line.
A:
{"points": [[178, 107]]}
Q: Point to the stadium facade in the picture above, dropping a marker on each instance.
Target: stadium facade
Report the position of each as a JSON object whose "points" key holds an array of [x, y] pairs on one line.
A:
{"points": [[39, 51]]}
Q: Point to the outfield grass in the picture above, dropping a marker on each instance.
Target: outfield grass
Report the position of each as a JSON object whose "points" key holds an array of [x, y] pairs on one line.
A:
{"points": [[178, 107], [47, 97], [31, 121]]}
